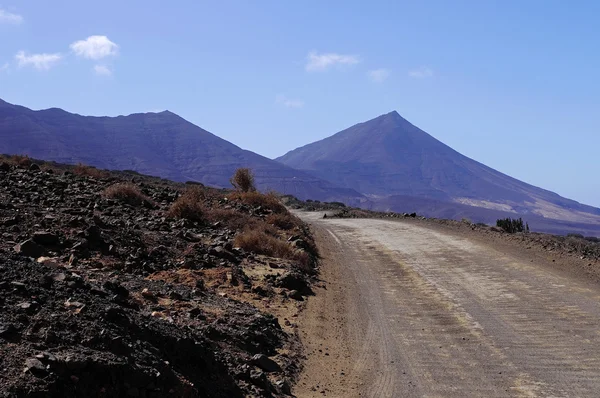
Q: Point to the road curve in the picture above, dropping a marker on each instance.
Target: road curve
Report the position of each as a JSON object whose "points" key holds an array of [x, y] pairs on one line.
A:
{"points": [[411, 311]]}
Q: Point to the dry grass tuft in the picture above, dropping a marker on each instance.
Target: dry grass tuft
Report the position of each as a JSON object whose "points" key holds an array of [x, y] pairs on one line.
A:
{"points": [[128, 193], [261, 239], [21, 160], [284, 221], [232, 219], [243, 180], [89, 171], [268, 201], [259, 242], [190, 206]]}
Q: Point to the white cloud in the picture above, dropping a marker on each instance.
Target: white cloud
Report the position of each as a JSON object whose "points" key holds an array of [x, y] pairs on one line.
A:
{"points": [[421, 73], [95, 47], [38, 61], [320, 62], [4, 68], [378, 75], [102, 70], [7, 17], [288, 102]]}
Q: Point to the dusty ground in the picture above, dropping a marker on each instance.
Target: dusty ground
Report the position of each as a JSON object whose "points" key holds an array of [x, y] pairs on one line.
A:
{"points": [[411, 308]]}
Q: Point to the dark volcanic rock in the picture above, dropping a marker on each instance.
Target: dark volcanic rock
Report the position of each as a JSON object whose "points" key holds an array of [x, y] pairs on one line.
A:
{"points": [[294, 281], [29, 248], [45, 238], [265, 363], [120, 303]]}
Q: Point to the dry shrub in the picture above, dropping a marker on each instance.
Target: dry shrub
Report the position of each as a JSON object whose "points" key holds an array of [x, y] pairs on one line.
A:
{"points": [[128, 193], [237, 221], [261, 239], [267, 201], [21, 160], [232, 219], [243, 180], [257, 241], [190, 206], [284, 221], [89, 171], [304, 262]]}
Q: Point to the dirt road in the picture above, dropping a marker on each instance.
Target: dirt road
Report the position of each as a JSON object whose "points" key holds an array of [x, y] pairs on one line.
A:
{"points": [[412, 311]]}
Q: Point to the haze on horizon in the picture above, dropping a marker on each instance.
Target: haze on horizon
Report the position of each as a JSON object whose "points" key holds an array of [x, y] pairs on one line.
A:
{"points": [[513, 85]]}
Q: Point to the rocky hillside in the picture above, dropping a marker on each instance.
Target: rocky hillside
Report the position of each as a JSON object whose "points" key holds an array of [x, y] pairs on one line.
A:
{"points": [[125, 285], [160, 144], [389, 160]]}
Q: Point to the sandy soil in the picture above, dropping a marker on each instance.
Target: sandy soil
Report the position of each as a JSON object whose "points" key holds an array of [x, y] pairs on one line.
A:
{"points": [[409, 309]]}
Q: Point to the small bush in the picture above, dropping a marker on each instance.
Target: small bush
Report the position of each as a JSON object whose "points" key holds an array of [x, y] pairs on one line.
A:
{"points": [[268, 201], [21, 160], [284, 221], [194, 183], [259, 241], [261, 238], [243, 180], [190, 206], [511, 226], [232, 219], [128, 193], [89, 171]]}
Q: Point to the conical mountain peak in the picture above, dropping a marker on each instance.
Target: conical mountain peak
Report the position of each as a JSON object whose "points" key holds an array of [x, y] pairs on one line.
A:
{"points": [[389, 157]]}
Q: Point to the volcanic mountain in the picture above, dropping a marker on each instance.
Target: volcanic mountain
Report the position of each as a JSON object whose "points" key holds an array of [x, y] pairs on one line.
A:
{"points": [[161, 144], [394, 163]]}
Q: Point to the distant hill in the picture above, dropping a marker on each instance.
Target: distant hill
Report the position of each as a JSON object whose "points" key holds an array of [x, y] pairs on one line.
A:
{"points": [[394, 164], [161, 144]]}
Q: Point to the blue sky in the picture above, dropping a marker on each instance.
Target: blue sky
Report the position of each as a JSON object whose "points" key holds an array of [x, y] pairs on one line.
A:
{"points": [[512, 84]]}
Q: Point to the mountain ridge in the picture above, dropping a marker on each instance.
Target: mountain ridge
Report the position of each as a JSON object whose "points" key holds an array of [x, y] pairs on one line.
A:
{"points": [[374, 167], [162, 144]]}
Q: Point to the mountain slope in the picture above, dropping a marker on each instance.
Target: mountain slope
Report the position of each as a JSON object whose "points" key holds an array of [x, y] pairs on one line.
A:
{"points": [[389, 156], [161, 144]]}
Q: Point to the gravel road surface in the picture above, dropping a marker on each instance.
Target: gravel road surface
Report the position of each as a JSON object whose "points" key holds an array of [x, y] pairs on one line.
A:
{"points": [[412, 311]]}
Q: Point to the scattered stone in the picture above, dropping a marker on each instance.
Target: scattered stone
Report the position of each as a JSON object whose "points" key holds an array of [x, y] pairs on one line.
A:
{"points": [[49, 262], [35, 366], [284, 386], [45, 238], [29, 248], [116, 315], [59, 277], [10, 221], [116, 288], [18, 285], [294, 294], [293, 281], [28, 307], [148, 294], [259, 379], [261, 291], [265, 363], [7, 330]]}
